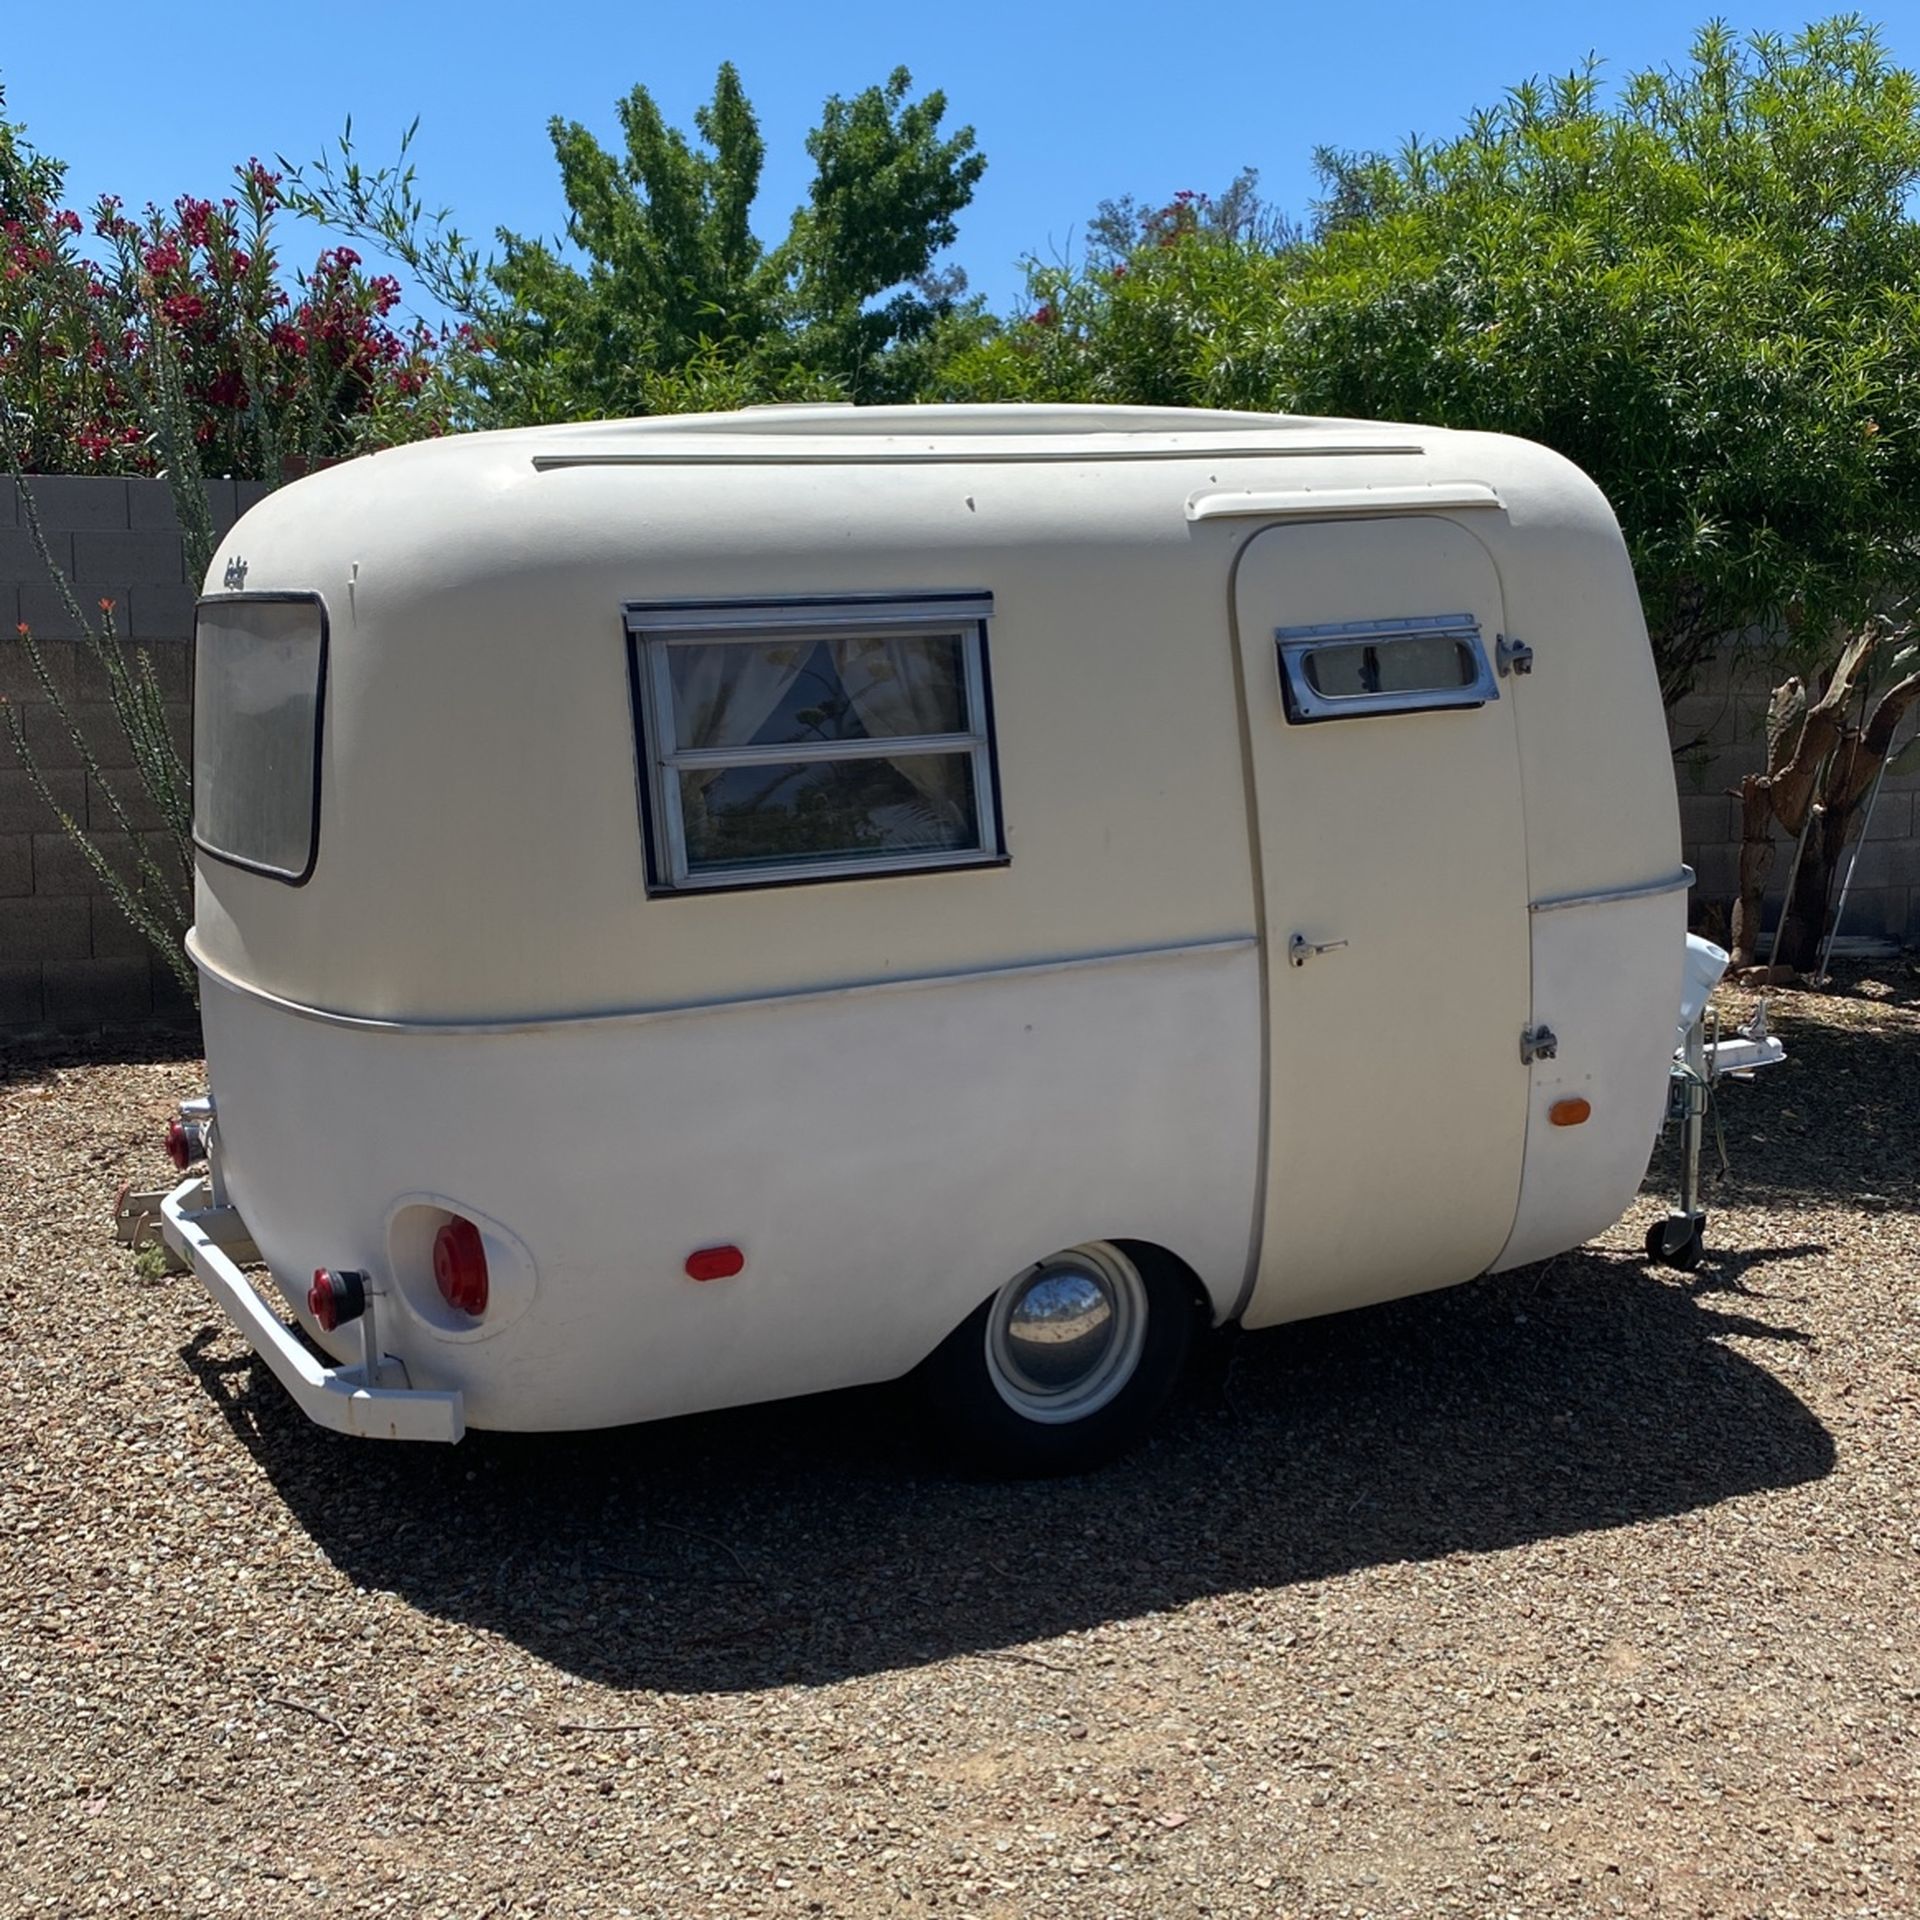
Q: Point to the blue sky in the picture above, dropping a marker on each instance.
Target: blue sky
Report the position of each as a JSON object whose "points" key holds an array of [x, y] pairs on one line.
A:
{"points": [[1071, 102]]}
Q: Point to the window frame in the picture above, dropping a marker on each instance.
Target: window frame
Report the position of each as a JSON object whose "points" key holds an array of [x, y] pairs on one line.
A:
{"points": [[263, 597], [1307, 706], [654, 628]]}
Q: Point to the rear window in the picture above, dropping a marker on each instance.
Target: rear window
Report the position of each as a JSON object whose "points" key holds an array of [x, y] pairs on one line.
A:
{"points": [[259, 671]]}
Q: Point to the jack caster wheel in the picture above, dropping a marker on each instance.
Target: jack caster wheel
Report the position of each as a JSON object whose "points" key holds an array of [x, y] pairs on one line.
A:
{"points": [[1669, 1244], [1066, 1365]]}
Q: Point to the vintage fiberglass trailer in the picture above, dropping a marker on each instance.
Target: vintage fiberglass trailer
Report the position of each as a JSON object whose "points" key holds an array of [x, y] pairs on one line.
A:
{"points": [[698, 910]]}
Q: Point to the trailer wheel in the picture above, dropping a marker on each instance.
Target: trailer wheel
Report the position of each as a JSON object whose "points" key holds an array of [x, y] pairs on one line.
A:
{"points": [[1664, 1251], [1066, 1365]]}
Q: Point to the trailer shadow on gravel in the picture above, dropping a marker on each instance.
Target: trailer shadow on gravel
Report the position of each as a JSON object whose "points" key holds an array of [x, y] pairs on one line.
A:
{"points": [[816, 1540]]}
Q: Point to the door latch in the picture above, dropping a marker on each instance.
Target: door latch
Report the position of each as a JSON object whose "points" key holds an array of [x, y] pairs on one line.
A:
{"points": [[1511, 656], [1300, 949], [1538, 1043]]}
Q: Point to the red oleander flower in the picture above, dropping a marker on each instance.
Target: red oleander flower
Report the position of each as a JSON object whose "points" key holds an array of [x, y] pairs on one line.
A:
{"points": [[195, 216]]}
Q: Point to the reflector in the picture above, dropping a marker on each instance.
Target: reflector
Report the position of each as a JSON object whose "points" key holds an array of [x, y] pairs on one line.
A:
{"points": [[460, 1266]]}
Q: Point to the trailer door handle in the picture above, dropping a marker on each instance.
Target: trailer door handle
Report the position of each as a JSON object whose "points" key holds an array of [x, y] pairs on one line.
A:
{"points": [[1300, 949]]}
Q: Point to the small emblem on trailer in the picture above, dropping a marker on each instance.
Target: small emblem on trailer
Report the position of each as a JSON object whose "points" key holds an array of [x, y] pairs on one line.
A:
{"points": [[235, 576]]}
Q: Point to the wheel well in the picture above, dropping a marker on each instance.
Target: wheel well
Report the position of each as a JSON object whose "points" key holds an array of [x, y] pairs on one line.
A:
{"points": [[1144, 1254]]}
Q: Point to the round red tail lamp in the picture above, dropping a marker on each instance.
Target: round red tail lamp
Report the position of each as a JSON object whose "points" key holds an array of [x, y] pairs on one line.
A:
{"points": [[460, 1266], [185, 1144], [336, 1298]]}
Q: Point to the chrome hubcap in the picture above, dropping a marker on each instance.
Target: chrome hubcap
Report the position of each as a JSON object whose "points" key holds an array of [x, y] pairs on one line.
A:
{"points": [[1065, 1337]]}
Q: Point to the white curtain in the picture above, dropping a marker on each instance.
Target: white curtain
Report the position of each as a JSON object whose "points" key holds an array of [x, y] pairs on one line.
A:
{"points": [[723, 694], [904, 686]]}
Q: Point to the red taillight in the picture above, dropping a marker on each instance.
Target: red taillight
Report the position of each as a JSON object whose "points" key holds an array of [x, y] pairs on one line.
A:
{"points": [[336, 1298], [715, 1263], [460, 1266], [184, 1144]]}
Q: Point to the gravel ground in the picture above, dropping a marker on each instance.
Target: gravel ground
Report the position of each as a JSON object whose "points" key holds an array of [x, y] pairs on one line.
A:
{"points": [[1586, 1590]]}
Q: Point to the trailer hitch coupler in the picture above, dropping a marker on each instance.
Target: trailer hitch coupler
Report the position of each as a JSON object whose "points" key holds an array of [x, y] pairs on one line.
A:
{"points": [[336, 1298]]}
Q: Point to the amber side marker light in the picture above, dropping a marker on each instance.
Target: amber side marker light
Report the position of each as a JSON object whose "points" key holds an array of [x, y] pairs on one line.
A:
{"points": [[1568, 1113]]}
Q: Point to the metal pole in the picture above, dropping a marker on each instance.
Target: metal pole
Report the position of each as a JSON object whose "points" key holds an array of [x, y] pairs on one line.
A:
{"points": [[1793, 871], [1853, 860]]}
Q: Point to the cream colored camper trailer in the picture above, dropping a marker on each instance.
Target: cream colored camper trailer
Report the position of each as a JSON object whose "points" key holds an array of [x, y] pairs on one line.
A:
{"points": [[698, 910]]}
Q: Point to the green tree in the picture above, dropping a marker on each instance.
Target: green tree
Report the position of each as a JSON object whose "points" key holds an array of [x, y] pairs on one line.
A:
{"points": [[1705, 290], [664, 298]]}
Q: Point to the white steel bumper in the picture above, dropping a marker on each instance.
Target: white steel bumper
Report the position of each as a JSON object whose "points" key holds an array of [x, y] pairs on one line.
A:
{"points": [[348, 1399]]}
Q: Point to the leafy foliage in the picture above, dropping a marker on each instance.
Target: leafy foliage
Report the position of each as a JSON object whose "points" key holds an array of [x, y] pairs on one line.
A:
{"points": [[169, 344], [148, 343], [1706, 292], [664, 299]]}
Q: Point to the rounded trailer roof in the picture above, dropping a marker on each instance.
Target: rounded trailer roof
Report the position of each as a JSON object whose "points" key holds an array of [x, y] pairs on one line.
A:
{"points": [[792, 428]]}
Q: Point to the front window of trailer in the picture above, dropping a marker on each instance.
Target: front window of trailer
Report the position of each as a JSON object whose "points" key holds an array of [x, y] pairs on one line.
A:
{"points": [[811, 740], [259, 674]]}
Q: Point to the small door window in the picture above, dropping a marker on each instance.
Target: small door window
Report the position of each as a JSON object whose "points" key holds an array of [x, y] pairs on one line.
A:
{"points": [[812, 740], [1410, 665]]}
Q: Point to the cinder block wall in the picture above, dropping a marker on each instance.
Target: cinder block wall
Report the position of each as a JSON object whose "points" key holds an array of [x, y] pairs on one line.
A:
{"points": [[70, 962], [1720, 731], [68, 958]]}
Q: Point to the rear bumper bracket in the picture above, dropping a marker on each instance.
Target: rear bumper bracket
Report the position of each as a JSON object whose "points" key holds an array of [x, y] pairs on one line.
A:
{"points": [[345, 1398]]}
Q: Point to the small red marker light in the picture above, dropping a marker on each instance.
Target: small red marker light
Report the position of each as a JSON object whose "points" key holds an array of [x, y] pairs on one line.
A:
{"points": [[183, 1147], [336, 1298], [460, 1266], [715, 1263]]}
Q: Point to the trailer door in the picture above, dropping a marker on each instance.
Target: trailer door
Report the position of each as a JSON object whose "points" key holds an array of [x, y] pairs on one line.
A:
{"points": [[1385, 784]]}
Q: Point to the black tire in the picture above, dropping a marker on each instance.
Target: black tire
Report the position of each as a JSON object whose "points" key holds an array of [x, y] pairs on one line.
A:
{"points": [[1685, 1256], [978, 1426]]}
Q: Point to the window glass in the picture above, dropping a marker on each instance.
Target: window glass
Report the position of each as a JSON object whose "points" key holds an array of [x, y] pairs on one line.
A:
{"points": [[815, 740], [810, 810], [1415, 664], [805, 691], [256, 717], [1366, 667]]}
